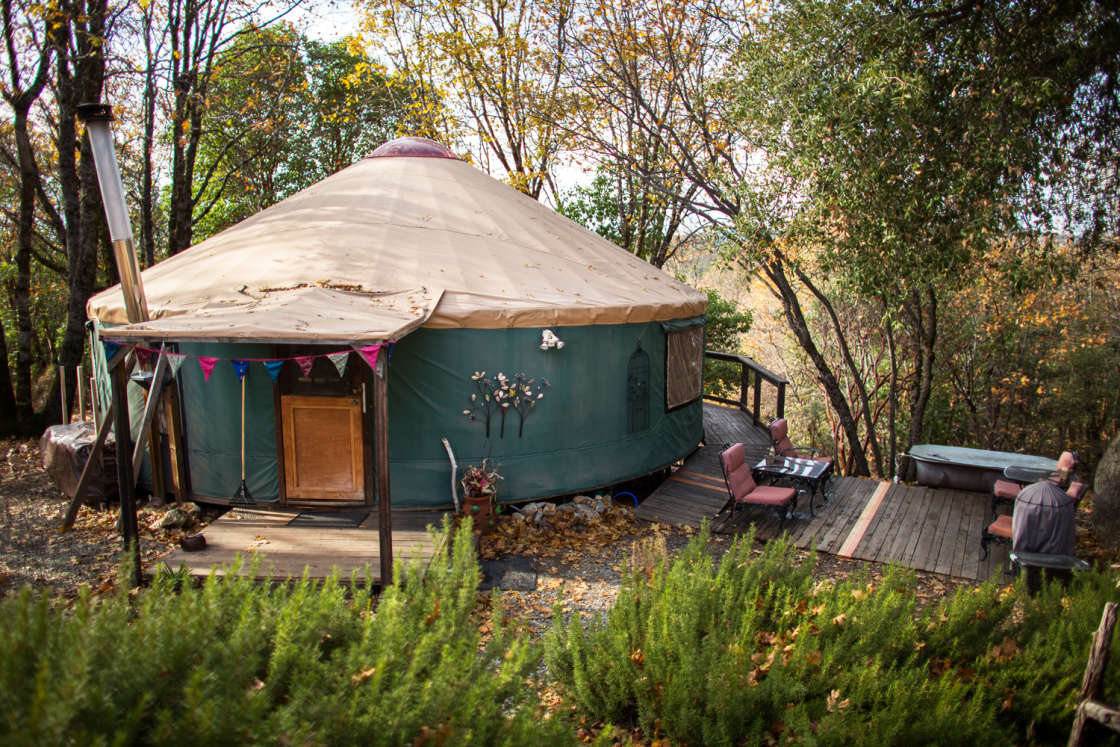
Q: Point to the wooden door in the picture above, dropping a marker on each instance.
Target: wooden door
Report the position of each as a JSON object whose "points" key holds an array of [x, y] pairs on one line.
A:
{"points": [[323, 448]]}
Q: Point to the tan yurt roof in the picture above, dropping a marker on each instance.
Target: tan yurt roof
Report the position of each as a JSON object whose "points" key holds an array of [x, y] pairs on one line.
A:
{"points": [[405, 238]]}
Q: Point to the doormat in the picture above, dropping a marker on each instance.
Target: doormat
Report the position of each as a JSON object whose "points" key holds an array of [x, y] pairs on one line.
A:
{"points": [[330, 520]]}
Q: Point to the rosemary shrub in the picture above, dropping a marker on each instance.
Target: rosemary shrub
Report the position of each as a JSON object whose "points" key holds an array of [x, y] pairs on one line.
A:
{"points": [[750, 650], [237, 662]]}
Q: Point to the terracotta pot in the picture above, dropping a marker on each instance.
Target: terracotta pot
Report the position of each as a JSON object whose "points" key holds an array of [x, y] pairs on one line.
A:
{"points": [[481, 510]]}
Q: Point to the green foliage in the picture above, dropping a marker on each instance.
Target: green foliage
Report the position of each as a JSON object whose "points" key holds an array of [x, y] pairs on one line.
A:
{"points": [[238, 662], [752, 649], [285, 112], [723, 328]]}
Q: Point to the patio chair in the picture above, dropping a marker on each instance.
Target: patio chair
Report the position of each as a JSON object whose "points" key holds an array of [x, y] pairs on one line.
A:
{"points": [[779, 437], [1004, 492], [1000, 529], [743, 489]]}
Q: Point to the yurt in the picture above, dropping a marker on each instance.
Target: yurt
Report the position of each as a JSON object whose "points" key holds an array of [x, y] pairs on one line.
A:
{"points": [[500, 326]]}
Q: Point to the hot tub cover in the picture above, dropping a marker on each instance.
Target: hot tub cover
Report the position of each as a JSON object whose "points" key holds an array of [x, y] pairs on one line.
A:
{"points": [[997, 460]]}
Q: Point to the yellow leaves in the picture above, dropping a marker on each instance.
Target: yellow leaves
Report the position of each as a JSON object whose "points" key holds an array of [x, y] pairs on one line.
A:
{"points": [[833, 703], [363, 675], [1006, 650], [431, 618]]}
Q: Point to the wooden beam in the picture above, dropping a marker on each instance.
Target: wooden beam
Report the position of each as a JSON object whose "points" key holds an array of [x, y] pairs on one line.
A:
{"points": [[1090, 708], [179, 475], [87, 473], [381, 466], [149, 413], [126, 478]]}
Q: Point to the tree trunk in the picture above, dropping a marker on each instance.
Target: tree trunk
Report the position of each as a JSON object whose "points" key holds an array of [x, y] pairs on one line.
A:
{"points": [[22, 287], [923, 320], [795, 318], [892, 400], [853, 369], [81, 75], [8, 422]]}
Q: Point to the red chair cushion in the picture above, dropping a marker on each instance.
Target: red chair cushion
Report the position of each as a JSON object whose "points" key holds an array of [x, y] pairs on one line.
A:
{"points": [[769, 495], [1076, 491], [1006, 489], [1001, 527], [738, 474]]}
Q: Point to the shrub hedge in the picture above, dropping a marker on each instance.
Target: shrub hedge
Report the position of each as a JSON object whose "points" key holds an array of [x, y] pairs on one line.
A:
{"points": [[751, 649], [237, 662]]}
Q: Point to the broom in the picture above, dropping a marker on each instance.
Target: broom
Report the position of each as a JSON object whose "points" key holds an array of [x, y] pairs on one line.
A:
{"points": [[242, 496]]}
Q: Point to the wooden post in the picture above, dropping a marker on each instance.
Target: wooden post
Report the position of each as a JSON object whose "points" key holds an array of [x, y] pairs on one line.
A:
{"points": [[64, 411], [178, 446], [781, 413], [381, 466], [757, 397], [744, 385], [87, 473], [1091, 709], [81, 395], [126, 478], [93, 404], [147, 423]]}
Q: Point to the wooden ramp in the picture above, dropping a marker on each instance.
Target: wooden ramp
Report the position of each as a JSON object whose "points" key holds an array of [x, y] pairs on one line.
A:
{"points": [[696, 491], [289, 541], [923, 528]]}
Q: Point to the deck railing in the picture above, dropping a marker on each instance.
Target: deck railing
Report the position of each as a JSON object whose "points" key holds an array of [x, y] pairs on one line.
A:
{"points": [[747, 367]]}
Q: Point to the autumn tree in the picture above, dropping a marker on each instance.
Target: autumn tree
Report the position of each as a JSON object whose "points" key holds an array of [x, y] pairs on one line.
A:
{"points": [[199, 31], [27, 59], [490, 71], [907, 141], [285, 112]]}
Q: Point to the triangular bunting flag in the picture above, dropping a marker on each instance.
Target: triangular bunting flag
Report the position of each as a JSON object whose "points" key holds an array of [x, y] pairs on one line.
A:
{"points": [[305, 363], [370, 353], [340, 360], [240, 368], [207, 365], [111, 348], [144, 356], [274, 369], [175, 362], [389, 350]]}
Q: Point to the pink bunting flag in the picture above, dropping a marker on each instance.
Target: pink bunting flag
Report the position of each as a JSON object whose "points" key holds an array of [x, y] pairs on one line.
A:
{"points": [[305, 363], [207, 364], [370, 353]]}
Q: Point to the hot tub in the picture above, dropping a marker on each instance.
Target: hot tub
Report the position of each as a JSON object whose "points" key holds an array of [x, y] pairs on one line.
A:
{"points": [[957, 467]]}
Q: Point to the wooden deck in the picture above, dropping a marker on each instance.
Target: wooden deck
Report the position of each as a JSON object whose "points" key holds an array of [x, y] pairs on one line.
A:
{"points": [[288, 541], [922, 528]]}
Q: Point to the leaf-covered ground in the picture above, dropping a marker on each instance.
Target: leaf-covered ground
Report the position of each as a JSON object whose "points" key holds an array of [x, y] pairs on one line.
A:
{"points": [[578, 565], [33, 550]]}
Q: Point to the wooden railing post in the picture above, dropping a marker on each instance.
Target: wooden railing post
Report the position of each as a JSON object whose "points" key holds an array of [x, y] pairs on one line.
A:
{"points": [[744, 385], [757, 398], [746, 367]]}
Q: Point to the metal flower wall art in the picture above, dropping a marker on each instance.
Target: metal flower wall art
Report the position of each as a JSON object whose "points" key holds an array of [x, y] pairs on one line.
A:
{"points": [[497, 395]]}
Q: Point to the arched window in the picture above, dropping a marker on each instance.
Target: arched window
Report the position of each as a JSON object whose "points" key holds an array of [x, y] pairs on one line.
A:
{"points": [[637, 391]]}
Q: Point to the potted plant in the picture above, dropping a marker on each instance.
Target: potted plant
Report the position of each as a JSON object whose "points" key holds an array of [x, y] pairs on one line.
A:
{"points": [[480, 486]]}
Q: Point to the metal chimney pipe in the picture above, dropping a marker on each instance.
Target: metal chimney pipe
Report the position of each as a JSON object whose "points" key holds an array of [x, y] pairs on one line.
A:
{"points": [[96, 118]]}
